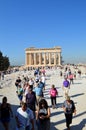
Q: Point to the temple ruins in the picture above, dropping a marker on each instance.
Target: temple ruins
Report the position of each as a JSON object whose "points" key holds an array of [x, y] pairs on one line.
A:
{"points": [[41, 57]]}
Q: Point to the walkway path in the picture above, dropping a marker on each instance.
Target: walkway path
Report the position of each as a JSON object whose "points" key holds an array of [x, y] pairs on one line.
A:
{"points": [[77, 93]]}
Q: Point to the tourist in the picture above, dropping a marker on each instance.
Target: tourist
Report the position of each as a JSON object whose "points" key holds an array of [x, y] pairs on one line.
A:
{"points": [[18, 81], [31, 82], [66, 87], [74, 74], [5, 112], [69, 109], [24, 118], [43, 115], [79, 73], [43, 79], [20, 93], [53, 93], [41, 85], [2, 75], [36, 72], [38, 89], [26, 88], [43, 71], [69, 71], [71, 78], [31, 100], [61, 74], [37, 77]]}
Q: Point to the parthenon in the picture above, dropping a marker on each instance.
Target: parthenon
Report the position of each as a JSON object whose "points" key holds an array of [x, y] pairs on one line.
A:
{"points": [[38, 57]]}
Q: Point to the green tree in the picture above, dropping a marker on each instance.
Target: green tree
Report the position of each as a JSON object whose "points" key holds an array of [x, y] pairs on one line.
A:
{"points": [[1, 60], [4, 62]]}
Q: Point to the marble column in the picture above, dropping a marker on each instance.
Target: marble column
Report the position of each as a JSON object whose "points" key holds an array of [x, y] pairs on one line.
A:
{"points": [[55, 58], [49, 58], [40, 58], [35, 62], [59, 58], [30, 59], [26, 58], [44, 59]]}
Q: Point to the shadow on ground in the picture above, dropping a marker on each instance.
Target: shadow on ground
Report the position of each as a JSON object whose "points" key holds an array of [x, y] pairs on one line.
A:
{"points": [[80, 126], [77, 95]]}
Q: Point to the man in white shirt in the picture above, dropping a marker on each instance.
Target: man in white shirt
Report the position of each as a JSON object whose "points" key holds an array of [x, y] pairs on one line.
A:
{"points": [[24, 117]]}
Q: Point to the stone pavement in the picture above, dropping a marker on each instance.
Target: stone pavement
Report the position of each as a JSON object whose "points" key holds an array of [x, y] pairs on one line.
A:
{"points": [[77, 93]]}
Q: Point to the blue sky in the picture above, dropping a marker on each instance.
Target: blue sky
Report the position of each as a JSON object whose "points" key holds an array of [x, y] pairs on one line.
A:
{"points": [[43, 24]]}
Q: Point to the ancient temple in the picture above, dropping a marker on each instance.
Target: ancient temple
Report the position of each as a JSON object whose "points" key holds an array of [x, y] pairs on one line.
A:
{"points": [[38, 57]]}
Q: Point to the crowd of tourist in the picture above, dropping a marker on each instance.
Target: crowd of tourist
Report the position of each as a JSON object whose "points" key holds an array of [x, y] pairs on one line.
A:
{"points": [[33, 104]]}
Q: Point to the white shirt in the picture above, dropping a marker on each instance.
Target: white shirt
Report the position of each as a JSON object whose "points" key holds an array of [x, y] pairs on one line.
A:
{"points": [[43, 79], [24, 117]]}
